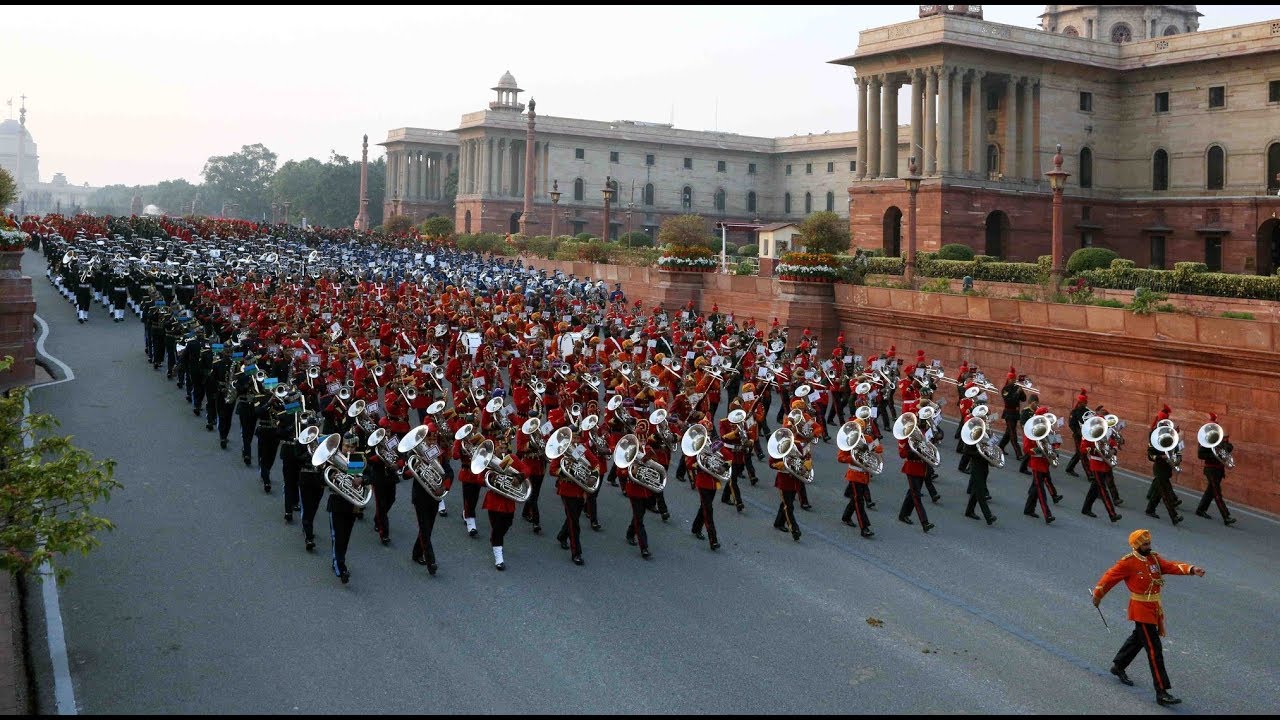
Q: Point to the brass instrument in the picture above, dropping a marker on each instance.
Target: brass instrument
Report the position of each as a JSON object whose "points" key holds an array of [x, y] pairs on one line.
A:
{"points": [[658, 421], [976, 432], [378, 441], [629, 454], [1165, 440], [1027, 387], [783, 446], [907, 427], [738, 418], [572, 467], [533, 428], [937, 376], [852, 440], [499, 476], [1212, 436], [1037, 429], [615, 406], [421, 464], [336, 472], [696, 442], [802, 427], [1094, 429]]}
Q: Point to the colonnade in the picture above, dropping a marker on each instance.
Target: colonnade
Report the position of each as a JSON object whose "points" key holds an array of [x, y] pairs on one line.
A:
{"points": [[417, 174]]}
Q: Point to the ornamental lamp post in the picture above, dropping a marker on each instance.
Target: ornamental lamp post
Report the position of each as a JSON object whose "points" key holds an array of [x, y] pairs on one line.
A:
{"points": [[608, 197], [1057, 180], [913, 186], [555, 201]]}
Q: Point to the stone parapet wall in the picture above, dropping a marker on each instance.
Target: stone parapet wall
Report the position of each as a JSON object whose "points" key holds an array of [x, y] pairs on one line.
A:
{"points": [[17, 318]]}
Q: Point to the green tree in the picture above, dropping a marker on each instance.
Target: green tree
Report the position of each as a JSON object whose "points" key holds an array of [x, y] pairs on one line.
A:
{"points": [[438, 226], [242, 177], [174, 197], [451, 187], [684, 231], [824, 232], [397, 224], [8, 189], [49, 487], [637, 238]]}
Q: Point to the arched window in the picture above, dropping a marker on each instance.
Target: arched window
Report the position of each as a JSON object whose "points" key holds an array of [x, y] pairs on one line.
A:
{"points": [[1171, 30], [1121, 33], [1086, 168], [686, 198], [720, 199], [808, 203], [1071, 31], [1160, 170], [1215, 168], [786, 203], [831, 202], [751, 201], [617, 199], [579, 189], [648, 194], [993, 160]]}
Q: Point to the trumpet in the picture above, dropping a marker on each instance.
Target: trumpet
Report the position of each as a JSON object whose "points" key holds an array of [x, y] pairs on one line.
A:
{"points": [[1027, 387]]}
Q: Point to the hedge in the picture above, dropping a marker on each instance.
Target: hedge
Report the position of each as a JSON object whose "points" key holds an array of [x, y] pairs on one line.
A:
{"points": [[1091, 258], [955, 251], [928, 266], [486, 243], [1186, 281], [885, 265]]}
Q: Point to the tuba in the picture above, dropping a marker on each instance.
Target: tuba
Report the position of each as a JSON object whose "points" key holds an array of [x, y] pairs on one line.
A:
{"points": [[1211, 436], [499, 476], [1095, 430], [647, 473], [379, 442], [851, 439], [783, 446], [658, 421], [532, 428], [1165, 440], [696, 442], [907, 427], [1037, 429], [421, 462], [336, 472], [975, 431], [573, 467]]}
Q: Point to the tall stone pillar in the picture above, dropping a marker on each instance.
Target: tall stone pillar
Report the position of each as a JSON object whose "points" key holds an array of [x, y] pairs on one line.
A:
{"points": [[917, 119], [527, 221], [977, 133], [1026, 146], [889, 128], [862, 128], [957, 122], [873, 137], [931, 121], [1010, 128], [944, 120], [362, 217]]}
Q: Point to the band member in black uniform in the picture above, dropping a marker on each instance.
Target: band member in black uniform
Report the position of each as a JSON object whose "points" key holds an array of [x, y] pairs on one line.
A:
{"points": [[384, 479], [118, 293], [249, 396], [342, 514], [310, 488], [224, 374], [1073, 422], [172, 329], [83, 290], [1013, 396], [1214, 472], [1162, 476], [269, 412], [426, 508], [289, 420], [200, 362], [979, 468]]}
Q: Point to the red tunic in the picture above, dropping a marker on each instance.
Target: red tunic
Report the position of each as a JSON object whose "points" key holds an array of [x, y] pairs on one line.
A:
{"points": [[1143, 577]]}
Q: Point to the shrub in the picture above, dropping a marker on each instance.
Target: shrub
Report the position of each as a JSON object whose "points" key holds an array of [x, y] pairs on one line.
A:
{"points": [[1079, 292], [824, 232], [1090, 258], [684, 231], [584, 237], [596, 251], [940, 285], [437, 227], [397, 224], [1122, 264], [637, 239], [1146, 301], [885, 266], [1107, 302], [749, 250], [729, 249], [955, 251], [744, 268], [985, 258], [1188, 268], [540, 245], [492, 243], [1232, 314]]}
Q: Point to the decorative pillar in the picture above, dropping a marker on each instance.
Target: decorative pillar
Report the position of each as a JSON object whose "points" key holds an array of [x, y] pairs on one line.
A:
{"points": [[1026, 146], [917, 119], [527, 220], [931, 121], [362, 218], [889, 129], [977, 133], [862, 128], [957, 122], [1010, 128], [872, 139], [944, 120]]}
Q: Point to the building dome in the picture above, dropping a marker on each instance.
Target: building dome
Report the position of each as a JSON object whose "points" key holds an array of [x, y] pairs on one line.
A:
{"points": [[10, 131], [1120, 23], [507, 82]]}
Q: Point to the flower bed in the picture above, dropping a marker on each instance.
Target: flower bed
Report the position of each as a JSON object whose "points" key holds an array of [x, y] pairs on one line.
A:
{"points": [[11, 238], [809, 267], [692, 258]]}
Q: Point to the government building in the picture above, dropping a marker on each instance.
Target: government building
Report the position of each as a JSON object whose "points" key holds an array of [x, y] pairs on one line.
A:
{"points": [[19, 156], [1171, 136]]}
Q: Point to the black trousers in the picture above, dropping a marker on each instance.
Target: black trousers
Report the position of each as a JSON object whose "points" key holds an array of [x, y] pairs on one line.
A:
{"points": [[858, 494], [1011, 435], [912, 499], [1075, 436], [268, 447], [706, 516], [292, 469], [195, 391], [1037, 491], [211, 401], [571, 530], [342, 518], [1162, 489], [248, 423], [978, 497], [170, 353], [732, 493], [786, 517], [470, 494], [225, 410], [636, 528], [424, 507], [1098, 488], [311, 488], [499, 524], [384, 496], [1146, 637], [1213, 493], [530, 511]]}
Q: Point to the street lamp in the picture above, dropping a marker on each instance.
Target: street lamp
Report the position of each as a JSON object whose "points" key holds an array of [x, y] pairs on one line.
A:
{"points": [[555, 200], [1057, 180], [608, 197], [913, 186]]}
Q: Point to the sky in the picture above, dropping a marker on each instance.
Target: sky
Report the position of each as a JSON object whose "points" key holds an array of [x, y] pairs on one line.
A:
{"points": [[136, 95]]}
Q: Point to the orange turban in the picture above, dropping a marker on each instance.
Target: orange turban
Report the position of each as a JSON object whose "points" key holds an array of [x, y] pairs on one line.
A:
{"points": [[1138, 537]]}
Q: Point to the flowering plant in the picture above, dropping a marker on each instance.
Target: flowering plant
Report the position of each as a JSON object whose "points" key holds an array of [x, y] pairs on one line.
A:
{"points": [[11, 238], [808, 266], [686, 257]]}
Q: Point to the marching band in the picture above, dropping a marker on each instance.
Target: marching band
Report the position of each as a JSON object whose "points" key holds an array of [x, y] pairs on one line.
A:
{"points": [[323, 342]]}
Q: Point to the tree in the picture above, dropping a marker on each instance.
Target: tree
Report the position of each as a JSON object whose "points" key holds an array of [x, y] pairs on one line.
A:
{"points": [[437, 227], [397, 224], [824, 232], [8, 189], [451, 187], [243, 177], [684, 231], [47, 489]]}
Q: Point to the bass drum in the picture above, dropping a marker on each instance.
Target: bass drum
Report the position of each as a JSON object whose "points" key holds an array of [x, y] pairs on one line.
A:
{"points": [[567, 341]]}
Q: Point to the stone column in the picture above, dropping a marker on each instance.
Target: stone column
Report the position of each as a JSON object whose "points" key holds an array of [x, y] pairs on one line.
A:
{"points": [[931, 121], [944, 120], [862, 128], [957, 122], [415, 174], [1026, 146], [977, 133], [1010, 163], [889, 128], [917, 119], [872, 139]]}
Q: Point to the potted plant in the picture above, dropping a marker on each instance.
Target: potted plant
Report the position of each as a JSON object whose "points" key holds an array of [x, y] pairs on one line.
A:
{"points": [[809, 267]]}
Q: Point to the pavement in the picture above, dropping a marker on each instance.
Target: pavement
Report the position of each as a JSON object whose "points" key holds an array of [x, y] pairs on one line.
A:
{"points": [[203, 600]]}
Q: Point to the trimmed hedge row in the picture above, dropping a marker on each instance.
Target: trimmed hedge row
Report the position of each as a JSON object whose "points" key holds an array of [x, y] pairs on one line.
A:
{"points": [[1187, 279]]}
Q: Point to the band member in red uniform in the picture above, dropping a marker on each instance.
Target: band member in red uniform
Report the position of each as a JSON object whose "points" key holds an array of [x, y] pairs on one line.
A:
{"points": [[574, 498], [706, 485], [1099, 471], [531, 461], [639, 495], [915, 468], [1143, 571], [502, 509], [1039, 465], [463, 448], [858, 479], [787, 484]]}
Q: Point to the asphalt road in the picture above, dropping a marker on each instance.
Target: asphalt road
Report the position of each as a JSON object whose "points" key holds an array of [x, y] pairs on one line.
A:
{"points": [[203, 601]]}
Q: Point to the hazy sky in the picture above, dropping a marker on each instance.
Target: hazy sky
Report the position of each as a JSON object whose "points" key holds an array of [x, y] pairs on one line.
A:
{"points": [[138, 95]]}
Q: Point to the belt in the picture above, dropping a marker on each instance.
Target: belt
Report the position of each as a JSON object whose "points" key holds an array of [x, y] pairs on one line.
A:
{"points": [[1145, 597]]}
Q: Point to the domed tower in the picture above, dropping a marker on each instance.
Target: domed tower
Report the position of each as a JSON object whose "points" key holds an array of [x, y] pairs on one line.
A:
{"points": [[1120, 23], [14, 136], [508, 94]]}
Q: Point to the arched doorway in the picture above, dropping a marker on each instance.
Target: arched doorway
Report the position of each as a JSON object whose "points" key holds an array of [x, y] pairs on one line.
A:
{"points": [[1268, 247], [997, 234], [466, 222], [1273, 168], [515, 223], [892, 242]]}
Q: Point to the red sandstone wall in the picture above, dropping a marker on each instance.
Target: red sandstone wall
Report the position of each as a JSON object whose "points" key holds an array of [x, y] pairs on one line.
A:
{"points": [[17, 310]]}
